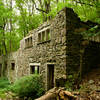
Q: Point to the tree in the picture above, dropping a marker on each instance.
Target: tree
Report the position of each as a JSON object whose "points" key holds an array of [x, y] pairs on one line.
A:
{"points": [[27, 19], [14, 26]]}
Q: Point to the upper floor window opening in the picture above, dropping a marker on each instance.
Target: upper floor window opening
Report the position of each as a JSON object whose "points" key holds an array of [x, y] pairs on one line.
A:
{"points": [[39, 37], [44, 36], [48, 34], [31, 40], [28, 42]]}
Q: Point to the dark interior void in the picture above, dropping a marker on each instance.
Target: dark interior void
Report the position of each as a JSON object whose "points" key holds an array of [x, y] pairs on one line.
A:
{"points": [[32, 70], [50, 76], [12, 66], [91, 57]]}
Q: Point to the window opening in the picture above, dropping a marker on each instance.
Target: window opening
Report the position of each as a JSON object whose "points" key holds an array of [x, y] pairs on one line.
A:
{"points": [[25, 42], [28, 42], [39, 37], [43, 36], [34, 70], [12, 66], [48, 34]]}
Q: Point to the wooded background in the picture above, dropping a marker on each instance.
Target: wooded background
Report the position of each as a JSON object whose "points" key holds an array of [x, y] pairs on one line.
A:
{"points": [[18, 17]]}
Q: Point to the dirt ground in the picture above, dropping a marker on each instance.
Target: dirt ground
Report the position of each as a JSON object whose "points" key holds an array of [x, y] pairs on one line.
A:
{"points": [[89, 89], [90, 86]]}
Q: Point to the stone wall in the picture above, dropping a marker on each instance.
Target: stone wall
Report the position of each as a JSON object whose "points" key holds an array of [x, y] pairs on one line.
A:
{"points": [[12, 73], [62, 50], [48, 52], [74, 40], [91, 56]]}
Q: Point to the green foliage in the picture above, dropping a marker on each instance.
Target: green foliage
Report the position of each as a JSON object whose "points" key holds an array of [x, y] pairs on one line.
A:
{"points": [[2, 93], [70, 83], [91, 32], [4, 83], [14, 26], [24, 17], [56, 7], [29, 23], [28, 86]]}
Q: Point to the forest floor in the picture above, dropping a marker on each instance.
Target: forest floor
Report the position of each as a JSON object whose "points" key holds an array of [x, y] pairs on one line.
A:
{"points": [[90, 86], [89, 89]]}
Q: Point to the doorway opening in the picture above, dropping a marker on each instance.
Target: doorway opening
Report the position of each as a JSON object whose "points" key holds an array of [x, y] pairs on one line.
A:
{"points": [[50, 76]]}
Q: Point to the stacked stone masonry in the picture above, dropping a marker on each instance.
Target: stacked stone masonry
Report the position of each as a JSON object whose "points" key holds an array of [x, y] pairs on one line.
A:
{"points": [[53, 48]]}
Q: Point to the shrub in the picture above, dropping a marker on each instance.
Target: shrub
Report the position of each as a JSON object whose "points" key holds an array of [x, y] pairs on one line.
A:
{"points": [[72, 82], [28, 86], [69, 83], [4, 83]]}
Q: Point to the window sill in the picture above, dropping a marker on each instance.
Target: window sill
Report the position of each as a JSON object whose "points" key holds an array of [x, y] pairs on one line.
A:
{"points": [[44, 42]]}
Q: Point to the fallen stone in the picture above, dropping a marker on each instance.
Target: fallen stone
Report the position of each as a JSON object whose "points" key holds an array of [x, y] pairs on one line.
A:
{"points": [[91, 81]]}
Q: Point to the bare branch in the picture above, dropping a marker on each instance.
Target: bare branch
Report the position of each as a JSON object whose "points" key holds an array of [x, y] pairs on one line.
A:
{"points": [[41, 10]]}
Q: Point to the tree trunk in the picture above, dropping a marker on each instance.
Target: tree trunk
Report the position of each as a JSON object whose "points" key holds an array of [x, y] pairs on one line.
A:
{"points": [[11, 28], [58, 94]]}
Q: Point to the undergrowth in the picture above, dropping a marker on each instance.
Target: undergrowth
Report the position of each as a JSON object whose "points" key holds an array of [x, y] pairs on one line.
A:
{"points": [[72, 82], [4, 83], [4, 86], [26, 87]]}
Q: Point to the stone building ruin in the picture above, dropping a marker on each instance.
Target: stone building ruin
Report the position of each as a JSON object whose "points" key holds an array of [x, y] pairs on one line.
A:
{"points": [[54, 50]]}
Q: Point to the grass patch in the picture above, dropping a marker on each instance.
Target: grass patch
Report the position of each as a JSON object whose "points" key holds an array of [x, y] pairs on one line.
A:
{"points": [[4, 86]]}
